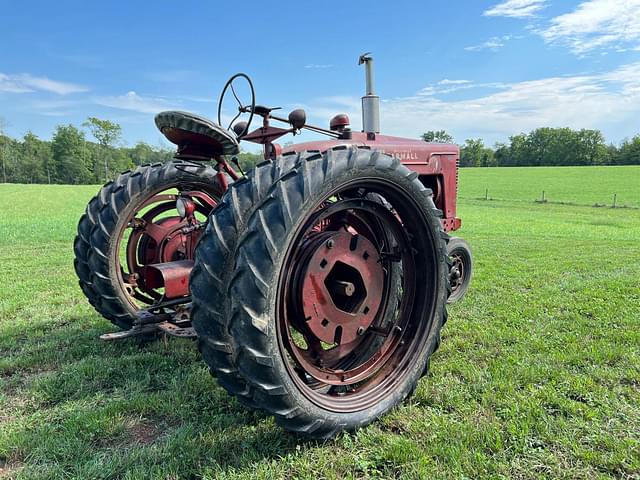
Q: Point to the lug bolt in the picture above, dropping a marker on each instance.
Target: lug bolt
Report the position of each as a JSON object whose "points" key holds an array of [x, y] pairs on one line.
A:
{"points": [[360, 331], [330, 243]]}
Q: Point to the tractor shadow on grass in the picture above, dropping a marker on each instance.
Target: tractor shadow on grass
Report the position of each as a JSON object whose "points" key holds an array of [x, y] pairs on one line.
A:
{"points": [[75, 397]]}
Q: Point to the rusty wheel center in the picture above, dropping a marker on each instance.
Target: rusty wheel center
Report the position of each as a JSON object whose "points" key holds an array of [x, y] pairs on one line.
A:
{"points": [[456, 275], [155, 233], [348, 306], [341, 287]]}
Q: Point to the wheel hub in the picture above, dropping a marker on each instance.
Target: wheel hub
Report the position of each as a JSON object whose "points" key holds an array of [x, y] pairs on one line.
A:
{"points": [[341, 287], [173, 245], [159, 236], [456, 273]]}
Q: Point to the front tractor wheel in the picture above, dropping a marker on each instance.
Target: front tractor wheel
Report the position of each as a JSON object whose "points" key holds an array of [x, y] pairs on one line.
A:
{"points": [[461, 268], [338, 292]]}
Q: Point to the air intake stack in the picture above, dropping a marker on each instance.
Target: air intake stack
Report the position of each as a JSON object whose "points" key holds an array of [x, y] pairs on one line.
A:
{"points": [[370, 102]]}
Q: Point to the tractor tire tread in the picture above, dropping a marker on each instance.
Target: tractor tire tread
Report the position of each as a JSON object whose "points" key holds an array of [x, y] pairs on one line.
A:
{"points": [[247, 288], [97, 226], [214, 263]]}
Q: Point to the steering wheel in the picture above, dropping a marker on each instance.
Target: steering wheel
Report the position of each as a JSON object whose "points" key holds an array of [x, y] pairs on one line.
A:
{"points": [[241, 108]]}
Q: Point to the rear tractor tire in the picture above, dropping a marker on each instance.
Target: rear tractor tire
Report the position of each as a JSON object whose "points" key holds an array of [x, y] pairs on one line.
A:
{"points": [[214, 262], [315, 328], [132, 222], [461, 268]]}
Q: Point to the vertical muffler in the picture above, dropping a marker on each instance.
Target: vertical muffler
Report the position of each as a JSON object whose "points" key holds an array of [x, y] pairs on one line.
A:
{"points": [[370, 102]]}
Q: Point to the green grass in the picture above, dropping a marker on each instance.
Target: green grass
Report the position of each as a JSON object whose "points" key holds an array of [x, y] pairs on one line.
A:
{"points": [[538, 375], [579, 185]]}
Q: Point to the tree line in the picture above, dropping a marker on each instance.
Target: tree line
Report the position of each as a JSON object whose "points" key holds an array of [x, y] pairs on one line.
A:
{"points": [[70, 157], [544, 147]]}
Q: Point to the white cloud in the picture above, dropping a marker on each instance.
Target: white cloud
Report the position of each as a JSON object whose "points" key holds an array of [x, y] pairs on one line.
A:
{"points": [[516, 8], [134, 102], [25, 83], [609, 101], [10, 85], [596, 24], [446, 81], [449, 86], [319, 65], [493, 44]]}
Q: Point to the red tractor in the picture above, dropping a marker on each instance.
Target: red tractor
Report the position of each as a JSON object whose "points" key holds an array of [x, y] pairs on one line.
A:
{"points": [[316, 283]]}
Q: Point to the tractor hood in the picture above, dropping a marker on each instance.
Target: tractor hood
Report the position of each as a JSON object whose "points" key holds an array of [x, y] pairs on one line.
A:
{"points": [[407, 150]]}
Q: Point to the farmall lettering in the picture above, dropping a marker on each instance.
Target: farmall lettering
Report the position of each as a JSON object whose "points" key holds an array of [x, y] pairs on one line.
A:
{"points": [[404, 155]]}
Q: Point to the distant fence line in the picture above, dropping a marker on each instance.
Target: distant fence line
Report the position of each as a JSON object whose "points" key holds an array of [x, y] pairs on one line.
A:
{"points": [[545, 199]]}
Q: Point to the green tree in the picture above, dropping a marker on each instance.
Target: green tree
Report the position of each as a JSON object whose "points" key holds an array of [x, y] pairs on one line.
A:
{"points": [[107, 134], [501, 154], [140, 154], [70, 155], [629, 152], [4, 149], [554, 146], [613, 154], [249, 160], [592, 146], [143, 153], [474, 154], [437, 136], [35, 159]]}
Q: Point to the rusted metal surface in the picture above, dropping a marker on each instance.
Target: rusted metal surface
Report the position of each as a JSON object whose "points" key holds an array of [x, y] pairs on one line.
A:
{"points": [[151, 328], [427, 159], [170, 317], [133, 332], [264, 135], [457, 272], [172, 276], [176, 331], [342, 287], [156, 238], [367, 237]]}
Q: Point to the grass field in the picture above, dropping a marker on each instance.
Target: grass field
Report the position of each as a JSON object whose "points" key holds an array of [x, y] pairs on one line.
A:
{"points": [[538, 375], [578, 185]]}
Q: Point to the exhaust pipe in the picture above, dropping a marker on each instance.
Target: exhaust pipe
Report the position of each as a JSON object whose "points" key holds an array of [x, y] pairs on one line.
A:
{"points": [[370, 102]]}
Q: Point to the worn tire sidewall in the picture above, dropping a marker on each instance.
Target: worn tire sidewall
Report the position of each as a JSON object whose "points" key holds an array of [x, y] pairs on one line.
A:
{"points": [[400, 176]]}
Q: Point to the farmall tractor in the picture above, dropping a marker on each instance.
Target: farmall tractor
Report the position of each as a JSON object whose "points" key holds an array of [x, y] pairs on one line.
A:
{"points": [[316, 283]]}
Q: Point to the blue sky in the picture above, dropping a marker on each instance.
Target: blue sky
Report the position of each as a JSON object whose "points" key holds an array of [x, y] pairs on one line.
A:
{"points": [[476, 68]]}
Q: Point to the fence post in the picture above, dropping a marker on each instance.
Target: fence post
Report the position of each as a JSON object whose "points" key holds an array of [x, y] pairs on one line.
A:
{"points": [[486, 194], [614, 200]]}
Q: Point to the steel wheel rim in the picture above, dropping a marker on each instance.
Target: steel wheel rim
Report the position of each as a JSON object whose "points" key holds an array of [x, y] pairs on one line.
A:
{"points": [[375, 377], [457, 263], [154, 205]]}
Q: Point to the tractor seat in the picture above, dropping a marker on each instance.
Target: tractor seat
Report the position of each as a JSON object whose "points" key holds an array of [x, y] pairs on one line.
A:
{"points": [[197, 138]]}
